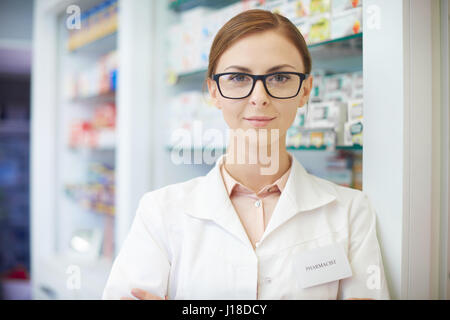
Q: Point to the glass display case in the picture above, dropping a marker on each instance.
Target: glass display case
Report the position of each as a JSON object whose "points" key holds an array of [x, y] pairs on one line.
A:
{"points": [[86, 178]]}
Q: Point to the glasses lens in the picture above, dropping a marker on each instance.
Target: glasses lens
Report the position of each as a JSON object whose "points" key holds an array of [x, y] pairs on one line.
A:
{"points": [[235, 85], [279, 85], [283, 85]]}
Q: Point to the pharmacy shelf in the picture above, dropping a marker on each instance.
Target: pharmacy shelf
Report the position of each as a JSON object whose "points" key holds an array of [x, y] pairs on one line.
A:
{"points": [[309, 148], [103, 44], [95, 99], [338, 55], [335, 56], [54, 214], [183, 5], [353, 36]]}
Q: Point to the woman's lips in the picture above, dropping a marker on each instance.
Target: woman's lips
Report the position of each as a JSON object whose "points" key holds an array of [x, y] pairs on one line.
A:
{"points": [[259, 121]]}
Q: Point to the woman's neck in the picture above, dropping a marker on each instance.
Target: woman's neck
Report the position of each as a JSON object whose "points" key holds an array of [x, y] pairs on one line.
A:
{"points": [[257, 168]]}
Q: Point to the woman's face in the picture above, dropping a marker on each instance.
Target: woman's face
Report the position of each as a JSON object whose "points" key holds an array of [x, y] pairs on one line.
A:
{"points": [[260, 53]]}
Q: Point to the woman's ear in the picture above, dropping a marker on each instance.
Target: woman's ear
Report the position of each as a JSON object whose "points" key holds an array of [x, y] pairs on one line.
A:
{"points": [[213, 92], [306, 90]]}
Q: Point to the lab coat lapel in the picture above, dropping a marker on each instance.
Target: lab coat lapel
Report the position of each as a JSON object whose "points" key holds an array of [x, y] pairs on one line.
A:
{"points": [[301, 193], [210, 201]]}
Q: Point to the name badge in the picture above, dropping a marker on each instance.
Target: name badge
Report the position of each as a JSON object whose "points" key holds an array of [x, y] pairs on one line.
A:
{"points": [[322, 265]]}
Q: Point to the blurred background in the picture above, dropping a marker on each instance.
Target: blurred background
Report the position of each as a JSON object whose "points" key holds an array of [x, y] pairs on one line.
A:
{"points": [[94, 94]]}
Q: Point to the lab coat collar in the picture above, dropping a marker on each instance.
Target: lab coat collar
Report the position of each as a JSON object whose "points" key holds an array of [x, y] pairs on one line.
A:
{"points": [[302, 193]]}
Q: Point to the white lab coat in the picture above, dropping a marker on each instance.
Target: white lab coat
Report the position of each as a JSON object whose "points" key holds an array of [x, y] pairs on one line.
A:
{"points": [[187, 242]]}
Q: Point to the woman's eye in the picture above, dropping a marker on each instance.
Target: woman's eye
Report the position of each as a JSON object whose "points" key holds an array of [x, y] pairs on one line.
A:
{"points": [[238, 78], [280, 78]]}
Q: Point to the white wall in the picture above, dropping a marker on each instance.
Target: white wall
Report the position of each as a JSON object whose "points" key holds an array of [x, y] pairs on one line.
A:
{"points": [[401, 141]]}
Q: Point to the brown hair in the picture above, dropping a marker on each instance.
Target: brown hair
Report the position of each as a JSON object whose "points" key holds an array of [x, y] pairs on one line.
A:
{"points": [[253, 21]]}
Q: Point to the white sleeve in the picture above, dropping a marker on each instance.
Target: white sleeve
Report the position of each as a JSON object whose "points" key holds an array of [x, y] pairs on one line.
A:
{"points": [[143, 260], [368, 278]]}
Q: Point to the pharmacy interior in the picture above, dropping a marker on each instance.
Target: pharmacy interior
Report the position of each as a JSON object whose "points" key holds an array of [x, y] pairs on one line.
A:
{"points": [[112, 93]]}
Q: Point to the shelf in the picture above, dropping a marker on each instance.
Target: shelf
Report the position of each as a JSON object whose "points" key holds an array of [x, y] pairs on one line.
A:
{"points": [[318, 44], [105, 140], [183, 5], [101, 45], [86, 149], [310, 148], [346, 53], [354, 147], [338, 55], [96, 99]]}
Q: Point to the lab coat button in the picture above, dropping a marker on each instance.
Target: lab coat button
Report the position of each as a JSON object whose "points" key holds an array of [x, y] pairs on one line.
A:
{"points": [[258, 203], [267, 280]]}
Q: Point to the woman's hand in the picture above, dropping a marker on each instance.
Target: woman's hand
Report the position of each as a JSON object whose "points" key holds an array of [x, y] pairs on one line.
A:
{"points": [[143, 295]]}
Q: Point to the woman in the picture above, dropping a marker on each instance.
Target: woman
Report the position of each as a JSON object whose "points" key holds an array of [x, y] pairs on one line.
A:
{"points": [[257, 226]]}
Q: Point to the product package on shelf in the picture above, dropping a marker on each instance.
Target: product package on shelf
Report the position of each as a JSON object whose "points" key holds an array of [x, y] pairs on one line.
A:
{"points": [[195, 120], [355, 109], [326, 115], [354, 126], [98, 79], [300, 117], [320, 29], [353, 132], [97, 193], [183, 111], [318, 88], [319, 6], [304, 26], [98, 132], [346, 23], [357, 88], [174, 42], [343, 5], [325, 138], [275, 6], [357, 171], [295, 9], [294, 133], [338, 87], [297, 137]]}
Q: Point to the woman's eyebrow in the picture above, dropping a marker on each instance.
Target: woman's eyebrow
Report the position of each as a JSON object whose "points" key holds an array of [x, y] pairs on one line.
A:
{"points": [[244, 69]]}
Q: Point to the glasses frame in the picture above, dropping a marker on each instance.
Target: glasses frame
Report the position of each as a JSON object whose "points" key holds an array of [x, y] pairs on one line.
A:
{"points": [[263, 78]]}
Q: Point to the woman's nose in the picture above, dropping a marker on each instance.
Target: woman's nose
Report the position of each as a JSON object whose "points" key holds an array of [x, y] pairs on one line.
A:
{"points": [[259, 96]]}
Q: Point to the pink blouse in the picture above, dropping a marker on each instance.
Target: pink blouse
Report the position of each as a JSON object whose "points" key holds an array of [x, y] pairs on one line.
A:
{"points": [[254, 209]]}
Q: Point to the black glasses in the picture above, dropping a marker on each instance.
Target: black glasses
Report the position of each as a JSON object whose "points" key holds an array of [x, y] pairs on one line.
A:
{"points": [[280, 85]]}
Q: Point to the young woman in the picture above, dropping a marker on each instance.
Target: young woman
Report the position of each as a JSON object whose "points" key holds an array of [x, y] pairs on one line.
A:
{"points": [[257, 226]]}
